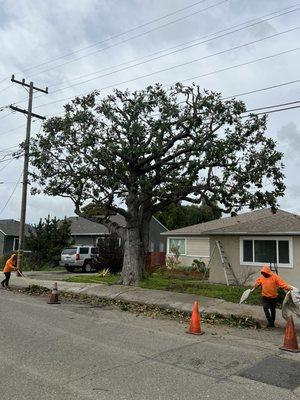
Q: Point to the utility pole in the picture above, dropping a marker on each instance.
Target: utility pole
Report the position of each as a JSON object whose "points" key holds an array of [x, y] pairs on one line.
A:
{"points": [[30, 114]]}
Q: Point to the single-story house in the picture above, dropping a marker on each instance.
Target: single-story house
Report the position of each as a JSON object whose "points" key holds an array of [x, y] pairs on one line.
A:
{"points": [[249, 240], [9, 235], [87, 232]]}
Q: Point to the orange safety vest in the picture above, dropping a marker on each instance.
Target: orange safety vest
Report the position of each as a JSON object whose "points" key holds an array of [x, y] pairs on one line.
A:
{"points": [[269, 285]]}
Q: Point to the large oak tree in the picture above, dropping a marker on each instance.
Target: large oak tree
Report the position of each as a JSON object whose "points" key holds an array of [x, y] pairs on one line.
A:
{"points": [[136, 153]]}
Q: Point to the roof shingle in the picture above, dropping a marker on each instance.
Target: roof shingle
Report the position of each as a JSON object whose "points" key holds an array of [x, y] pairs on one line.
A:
{"points": [[10, 227], [253, 222]]}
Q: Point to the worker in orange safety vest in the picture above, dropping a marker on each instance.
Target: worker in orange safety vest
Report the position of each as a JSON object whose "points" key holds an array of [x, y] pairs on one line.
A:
{"points": [[9, 267], [269, 283]]}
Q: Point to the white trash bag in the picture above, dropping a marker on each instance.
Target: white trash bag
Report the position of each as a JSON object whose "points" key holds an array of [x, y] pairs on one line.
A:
{"points": [[291, 303], [245, 295]]}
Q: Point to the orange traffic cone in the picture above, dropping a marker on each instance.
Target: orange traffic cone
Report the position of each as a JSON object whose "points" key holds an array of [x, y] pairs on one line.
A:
{"points": [[195, 322], [290, 337], [54, 295]]}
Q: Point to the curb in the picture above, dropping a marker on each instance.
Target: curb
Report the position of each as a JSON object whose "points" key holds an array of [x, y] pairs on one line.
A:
{"points": [[181, 303]]}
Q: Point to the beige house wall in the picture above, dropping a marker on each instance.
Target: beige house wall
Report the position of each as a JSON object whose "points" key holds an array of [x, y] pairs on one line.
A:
{"points": [[196, 248], [231, 245]]}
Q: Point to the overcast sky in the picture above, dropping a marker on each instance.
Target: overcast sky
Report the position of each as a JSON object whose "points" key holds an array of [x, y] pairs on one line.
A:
{"points": [[58, 43]]}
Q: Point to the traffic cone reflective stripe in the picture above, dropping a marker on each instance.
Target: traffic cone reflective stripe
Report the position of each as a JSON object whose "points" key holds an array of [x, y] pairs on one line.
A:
{"points": [[54, 295], [195, 322], [290, 337]]}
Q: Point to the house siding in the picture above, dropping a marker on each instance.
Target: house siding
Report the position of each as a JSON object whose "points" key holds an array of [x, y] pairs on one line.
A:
{"points": [[231, 245], [196, 248]]}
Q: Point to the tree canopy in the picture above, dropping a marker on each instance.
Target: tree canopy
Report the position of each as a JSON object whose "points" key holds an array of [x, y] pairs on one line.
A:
{"points": [[137, 153], [177, 216]]}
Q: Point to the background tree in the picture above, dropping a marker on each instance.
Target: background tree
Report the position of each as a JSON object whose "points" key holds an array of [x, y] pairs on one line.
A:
{"points": [[177, 216], [47, 240], [136, 153]]}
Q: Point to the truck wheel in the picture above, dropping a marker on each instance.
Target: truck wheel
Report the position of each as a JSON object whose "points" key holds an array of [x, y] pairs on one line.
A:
{"points": [[87, 267]]}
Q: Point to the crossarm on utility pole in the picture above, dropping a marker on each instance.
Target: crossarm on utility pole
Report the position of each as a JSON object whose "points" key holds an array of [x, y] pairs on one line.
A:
{"points": [[14, 108]]}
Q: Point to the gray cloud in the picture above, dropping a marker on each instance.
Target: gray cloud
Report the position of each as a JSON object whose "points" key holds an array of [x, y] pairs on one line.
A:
{"points": [[289, 136]]}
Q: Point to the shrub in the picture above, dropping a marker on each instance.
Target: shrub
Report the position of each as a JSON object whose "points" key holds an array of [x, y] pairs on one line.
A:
{"points": [[172, 260], [111, 254], [199, 265]]}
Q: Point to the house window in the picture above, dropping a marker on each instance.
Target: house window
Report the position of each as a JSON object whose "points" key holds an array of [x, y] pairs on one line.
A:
{"points": [[259, 251], [179, 244], [248, 250], [16, 244]]}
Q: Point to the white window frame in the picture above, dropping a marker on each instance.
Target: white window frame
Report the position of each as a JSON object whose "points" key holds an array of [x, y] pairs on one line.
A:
{"points": [[14, 244], [277, 238], [176, 238]]}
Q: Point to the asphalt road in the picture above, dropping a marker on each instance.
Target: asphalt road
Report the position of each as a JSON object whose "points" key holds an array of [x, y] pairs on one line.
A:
{"points": [[72, 351]]}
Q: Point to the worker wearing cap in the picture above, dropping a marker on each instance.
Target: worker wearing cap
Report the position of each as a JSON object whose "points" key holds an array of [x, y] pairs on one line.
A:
{"points": [[9, 267], [269, 284]]}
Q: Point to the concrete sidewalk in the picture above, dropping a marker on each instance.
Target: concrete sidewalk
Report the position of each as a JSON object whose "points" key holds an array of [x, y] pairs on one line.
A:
{"points": [[163, 299]]}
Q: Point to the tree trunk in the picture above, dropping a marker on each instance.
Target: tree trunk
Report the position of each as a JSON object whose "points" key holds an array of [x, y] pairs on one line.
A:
{"points": [[134, 260]]}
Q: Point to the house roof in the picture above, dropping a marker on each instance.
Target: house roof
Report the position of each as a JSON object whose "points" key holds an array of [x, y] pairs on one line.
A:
{"points": [[280, 223], [11, 227], [82, 226], [256, 222]]}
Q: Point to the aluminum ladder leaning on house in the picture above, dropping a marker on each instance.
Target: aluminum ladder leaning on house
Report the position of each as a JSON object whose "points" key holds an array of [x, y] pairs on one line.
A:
{"points": [[230, 277]]}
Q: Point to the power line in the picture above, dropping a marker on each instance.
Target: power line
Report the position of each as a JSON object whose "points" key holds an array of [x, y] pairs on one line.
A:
{"points": [[262, 89], [251, 92], [8, 148], [5, 156], [11, 195], [12, 158], [184, 80], [242, 64], [7, 164], [278, 13], [6, 115], [187, 45], [7, 87], [182, 64], [129, 39], [274, 111], [13, 129], [116, 36], [274, 106]]}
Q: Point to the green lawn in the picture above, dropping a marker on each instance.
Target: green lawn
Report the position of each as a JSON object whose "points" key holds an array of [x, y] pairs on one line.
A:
{"points": [[181, 285], [219, 291]]}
